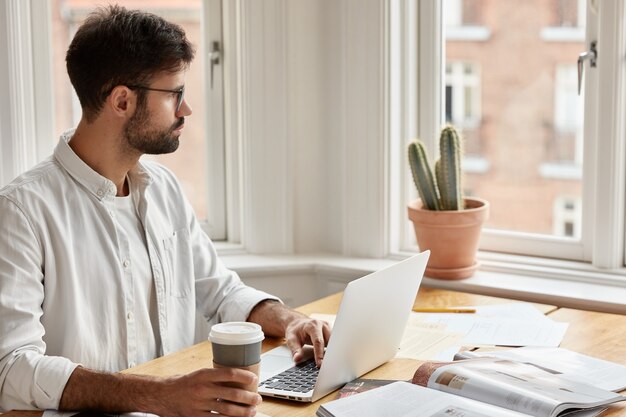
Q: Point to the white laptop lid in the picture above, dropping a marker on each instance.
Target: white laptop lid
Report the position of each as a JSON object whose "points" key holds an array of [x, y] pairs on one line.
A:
{"points": [[370, 323]]}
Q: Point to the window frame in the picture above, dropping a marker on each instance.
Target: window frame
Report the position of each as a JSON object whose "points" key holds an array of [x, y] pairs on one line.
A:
{"points": [[602, 242]]}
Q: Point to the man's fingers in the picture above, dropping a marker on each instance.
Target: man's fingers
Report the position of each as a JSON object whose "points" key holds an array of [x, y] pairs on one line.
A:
{"points": [[318, 342], [295, 345], [326, 332], [229, 375], [227, 408], [236, 395]]}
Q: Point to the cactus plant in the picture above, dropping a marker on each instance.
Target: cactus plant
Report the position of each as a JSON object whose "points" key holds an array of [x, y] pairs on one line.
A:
{"points": [[443, 191]]}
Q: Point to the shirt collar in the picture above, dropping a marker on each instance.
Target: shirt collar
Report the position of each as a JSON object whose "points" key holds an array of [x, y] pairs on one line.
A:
{"points": [[98, 185]]}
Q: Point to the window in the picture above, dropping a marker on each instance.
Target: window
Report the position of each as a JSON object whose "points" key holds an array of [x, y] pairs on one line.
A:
{"points": [[464, 20], [567, 13], [462, 94], [565, 20], [555, 163], [567, 216], [564, 141], [462, 108]]}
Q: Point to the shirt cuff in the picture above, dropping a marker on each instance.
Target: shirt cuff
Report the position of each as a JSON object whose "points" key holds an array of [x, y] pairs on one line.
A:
{"points": [[243, 302], [47, 379]]}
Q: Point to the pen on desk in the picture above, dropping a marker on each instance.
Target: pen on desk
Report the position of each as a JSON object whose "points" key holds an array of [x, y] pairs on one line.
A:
{"points": [[444, 310]]}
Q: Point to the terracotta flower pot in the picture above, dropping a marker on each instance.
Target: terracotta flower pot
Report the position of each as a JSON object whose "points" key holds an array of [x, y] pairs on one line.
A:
{"points": [[451, 236]]}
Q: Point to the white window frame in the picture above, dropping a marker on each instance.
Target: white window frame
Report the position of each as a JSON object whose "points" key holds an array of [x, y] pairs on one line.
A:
{"points": [[27, 123], [25, 115], [602, 242]]}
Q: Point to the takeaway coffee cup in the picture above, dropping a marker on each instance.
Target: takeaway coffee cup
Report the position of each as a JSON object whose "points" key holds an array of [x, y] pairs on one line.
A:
{"points": [[237, 344]]}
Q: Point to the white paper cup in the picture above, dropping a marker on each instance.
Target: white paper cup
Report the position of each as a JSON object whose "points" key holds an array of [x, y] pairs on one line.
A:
{"points": [[237, 344]]}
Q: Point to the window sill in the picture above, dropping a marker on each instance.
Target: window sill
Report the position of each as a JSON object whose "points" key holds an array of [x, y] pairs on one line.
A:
{"points": [[563, 34], [561, 171], [560, 283], [467, 33]]}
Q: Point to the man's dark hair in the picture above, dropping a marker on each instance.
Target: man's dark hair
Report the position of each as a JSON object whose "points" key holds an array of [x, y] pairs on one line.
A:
{"points": [[115, 46]]}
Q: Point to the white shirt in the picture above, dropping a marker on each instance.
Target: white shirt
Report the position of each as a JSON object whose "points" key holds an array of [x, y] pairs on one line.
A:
{"points": [[139, 276], [64, 294]]}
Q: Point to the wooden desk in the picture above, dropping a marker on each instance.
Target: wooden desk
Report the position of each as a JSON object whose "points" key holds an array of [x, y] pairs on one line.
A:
{"points": [[585, 327]]}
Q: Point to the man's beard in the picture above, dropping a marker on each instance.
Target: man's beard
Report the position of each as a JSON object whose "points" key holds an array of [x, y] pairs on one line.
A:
{"points": [[141, 138]]}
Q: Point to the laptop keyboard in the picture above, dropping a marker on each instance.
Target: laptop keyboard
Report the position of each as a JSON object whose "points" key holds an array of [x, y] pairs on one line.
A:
{"points": [[300, 378]]}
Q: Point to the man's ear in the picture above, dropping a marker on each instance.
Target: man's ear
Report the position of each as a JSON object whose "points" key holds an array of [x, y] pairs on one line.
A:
{"points": [[122, 101]]}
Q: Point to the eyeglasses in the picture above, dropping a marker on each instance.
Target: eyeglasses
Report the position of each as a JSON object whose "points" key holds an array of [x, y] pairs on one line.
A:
{"points": [[180, 92]]}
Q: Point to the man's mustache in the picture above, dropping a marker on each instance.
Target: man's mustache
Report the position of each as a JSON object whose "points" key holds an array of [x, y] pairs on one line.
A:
{"points": [[179, 123]]}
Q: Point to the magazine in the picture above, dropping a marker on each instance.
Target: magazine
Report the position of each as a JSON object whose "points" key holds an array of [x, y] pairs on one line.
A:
{"points": [[571, 365], [409, 400], [360, 385], [476, 388], [517, 386]]}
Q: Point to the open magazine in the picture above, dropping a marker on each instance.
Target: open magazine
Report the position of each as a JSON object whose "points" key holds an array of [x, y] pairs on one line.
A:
{"points": [[517, 386], [571, 365], [477, 388]]}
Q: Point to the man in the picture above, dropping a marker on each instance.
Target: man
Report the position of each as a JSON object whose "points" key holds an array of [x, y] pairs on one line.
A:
{"points": [[103, 262]]}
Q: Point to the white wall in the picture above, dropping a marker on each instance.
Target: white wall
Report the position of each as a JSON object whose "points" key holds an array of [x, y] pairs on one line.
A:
{"points": [[334, 115]]}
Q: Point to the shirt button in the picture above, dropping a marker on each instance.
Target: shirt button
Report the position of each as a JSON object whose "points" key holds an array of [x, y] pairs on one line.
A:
{"points": [[129, 316], [100, 193], [126, 263]]}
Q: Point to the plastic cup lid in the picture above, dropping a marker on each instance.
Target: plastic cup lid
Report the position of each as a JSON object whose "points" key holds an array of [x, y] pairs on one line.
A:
{"points": [[236, 333]]}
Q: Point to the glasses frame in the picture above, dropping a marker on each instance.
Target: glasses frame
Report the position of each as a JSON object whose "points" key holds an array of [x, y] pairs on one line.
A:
{"points": [[179, 91]]}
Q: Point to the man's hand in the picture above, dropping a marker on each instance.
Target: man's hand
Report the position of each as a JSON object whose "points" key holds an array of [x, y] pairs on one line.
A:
{"points": [[298, 329], [197, 393], [203, 391], [305, 330]]}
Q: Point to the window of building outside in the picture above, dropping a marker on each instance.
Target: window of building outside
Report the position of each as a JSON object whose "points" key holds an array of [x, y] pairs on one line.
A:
{"points": [[514, 98], [567, 216], [189, 162]]}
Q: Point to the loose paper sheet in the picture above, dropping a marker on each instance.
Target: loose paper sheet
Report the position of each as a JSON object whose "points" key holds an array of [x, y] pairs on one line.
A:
{"points": [[438, 336], [480, 330]]}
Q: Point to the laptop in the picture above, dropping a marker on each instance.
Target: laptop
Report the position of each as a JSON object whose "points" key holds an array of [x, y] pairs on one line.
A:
{"points": [[368, 328]]}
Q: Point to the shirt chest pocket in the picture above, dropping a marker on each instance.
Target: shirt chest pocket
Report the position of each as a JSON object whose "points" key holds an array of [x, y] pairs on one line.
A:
{"points": [[178, 264]]}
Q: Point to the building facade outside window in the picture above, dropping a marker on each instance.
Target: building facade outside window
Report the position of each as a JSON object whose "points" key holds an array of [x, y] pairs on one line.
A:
{"points": [[508, 113]]}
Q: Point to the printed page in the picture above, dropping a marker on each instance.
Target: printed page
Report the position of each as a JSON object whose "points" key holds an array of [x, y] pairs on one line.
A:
{"points": [[571, 365], [409, 400], [480, 330], [517, 386], [516, 311]]}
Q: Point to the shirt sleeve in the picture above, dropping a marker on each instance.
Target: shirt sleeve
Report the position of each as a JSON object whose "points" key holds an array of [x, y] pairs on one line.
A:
{"points": [[220, 294], [28, 378]]}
